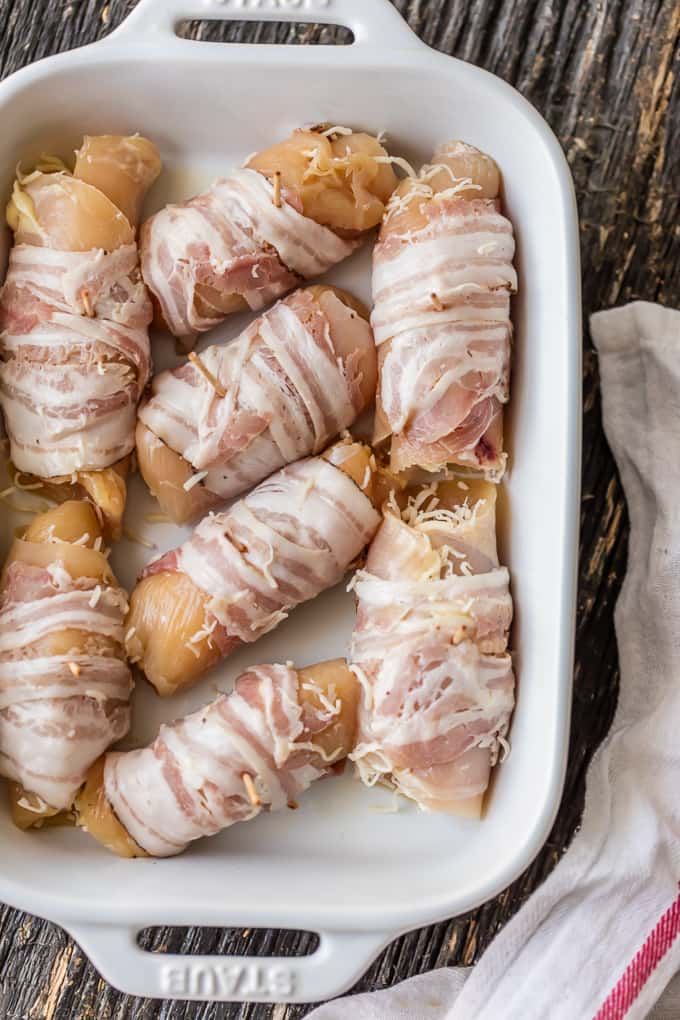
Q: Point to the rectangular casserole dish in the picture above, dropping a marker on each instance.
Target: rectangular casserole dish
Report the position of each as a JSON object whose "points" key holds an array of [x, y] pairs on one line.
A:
{"points": [[342, 866]]}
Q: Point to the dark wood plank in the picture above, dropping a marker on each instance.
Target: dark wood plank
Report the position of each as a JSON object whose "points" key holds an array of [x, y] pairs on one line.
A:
{"points": [[604, 74]]}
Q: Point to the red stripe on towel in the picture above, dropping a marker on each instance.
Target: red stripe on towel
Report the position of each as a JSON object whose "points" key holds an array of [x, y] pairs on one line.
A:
{"points": [[639, 970]]}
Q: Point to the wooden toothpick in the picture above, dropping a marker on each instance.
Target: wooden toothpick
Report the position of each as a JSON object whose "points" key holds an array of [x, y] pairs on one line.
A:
{"points": [[253, 795], [277, 189], [459, 636], [214, 382], [87, 304]]}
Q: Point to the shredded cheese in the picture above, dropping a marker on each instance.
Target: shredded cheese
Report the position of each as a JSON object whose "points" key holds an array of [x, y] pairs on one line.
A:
{"points": [[204, 632], [194, 480], [337, 130], [397, 161], [332, 708], [37, 807], [270, 622], [365, 684], [326, 757]]}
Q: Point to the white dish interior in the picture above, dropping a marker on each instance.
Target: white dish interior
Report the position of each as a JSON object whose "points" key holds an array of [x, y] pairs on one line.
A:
{"points": [[342, 861]]}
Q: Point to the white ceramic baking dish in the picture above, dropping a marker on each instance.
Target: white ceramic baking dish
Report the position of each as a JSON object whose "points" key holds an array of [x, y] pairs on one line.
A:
{"points": [[341, 866]]}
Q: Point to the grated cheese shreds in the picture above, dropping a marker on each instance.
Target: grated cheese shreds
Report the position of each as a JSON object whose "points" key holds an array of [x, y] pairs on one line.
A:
{"points": [[328, 758], [59, 576], [337, 130], [194, 480], [365, 684], [205, 632], [268, 623], [37, 807], [421, 188], [333, 708], [505, 746], [397, 161], [373, 766], [322, 165]]}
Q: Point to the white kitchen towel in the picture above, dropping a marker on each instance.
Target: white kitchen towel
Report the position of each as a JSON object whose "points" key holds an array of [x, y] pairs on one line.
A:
{"points": [[600, 939]]}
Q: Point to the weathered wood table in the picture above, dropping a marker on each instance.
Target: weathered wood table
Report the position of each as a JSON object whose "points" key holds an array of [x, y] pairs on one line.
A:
{"points": [[605, 75]]}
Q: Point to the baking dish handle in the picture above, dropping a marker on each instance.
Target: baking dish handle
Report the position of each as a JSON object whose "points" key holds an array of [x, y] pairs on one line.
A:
{"points": [[339, 961], [373, 22]]}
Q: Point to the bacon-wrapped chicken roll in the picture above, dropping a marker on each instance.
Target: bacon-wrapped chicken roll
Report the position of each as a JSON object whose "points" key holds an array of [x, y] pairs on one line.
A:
{"points": [[442, 279], [74, 316], [64, 682], [254, 750], [289, 214], [294, 379], [244, 569], [429, 648]]}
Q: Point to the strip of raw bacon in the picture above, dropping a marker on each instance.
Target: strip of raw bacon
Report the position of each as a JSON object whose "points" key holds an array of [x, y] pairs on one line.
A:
{"points": [[430, 650], [64, 683], [244, 569], [74, 315], [442, 279], [254, 750], [293, 380], [294, 211]]}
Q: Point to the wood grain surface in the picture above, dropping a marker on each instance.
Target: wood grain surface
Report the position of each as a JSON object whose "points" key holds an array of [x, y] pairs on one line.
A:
{"points": [[605, 75]]}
